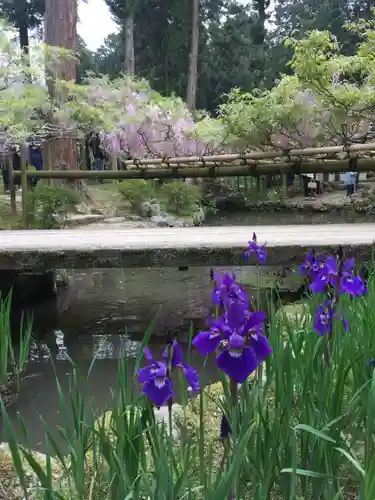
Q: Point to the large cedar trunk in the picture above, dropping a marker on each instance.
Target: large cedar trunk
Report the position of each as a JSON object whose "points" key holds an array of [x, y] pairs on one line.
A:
{"points": [[60, 30], [129, 60], [191, 92]]}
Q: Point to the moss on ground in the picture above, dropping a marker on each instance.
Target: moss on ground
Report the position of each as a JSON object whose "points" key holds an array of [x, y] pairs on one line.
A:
{"points": [[10, 485]]}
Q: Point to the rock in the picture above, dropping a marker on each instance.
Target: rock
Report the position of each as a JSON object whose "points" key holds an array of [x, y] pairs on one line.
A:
{"points": [[61, 277], [134, 218], [154, 209], [160, 221], [199, 217], [145, 208], [84, 209], [319, 206], [297, 313], [162, 417], [175, 223]]}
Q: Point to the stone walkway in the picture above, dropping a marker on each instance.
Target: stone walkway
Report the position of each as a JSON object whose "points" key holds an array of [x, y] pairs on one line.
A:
{"points": [[175, 247]]}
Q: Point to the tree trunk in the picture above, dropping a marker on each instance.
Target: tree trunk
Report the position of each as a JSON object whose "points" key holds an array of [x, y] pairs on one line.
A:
{"points": [[23, 34], [129, 59], [191, 92], [60, 30], [261, 6]]}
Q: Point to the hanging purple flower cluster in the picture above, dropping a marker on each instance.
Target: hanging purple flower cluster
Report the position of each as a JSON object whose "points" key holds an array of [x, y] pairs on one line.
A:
{"points": [[236, 336], [336, 275], [156, 377]]}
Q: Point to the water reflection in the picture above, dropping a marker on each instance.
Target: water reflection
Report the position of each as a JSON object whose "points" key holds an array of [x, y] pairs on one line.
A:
{"points": [[102, 316]]}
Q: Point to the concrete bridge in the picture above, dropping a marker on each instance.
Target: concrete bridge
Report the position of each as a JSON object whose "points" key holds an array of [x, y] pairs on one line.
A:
{"points": [[36, 251]]}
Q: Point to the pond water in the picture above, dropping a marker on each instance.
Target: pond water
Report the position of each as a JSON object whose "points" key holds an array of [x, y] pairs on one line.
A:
{"points": [[103, 314]]}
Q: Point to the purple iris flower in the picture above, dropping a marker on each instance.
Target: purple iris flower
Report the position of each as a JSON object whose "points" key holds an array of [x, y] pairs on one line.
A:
{"points": [[238, 337], [259, 250], [155, 377], [324, 316], [353, 285], [325, 272], [227, 290]]}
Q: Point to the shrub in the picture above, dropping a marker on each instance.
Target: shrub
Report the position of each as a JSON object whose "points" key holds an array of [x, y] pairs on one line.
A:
{"points": [[136, 192], [180, 196], [50, 204]]}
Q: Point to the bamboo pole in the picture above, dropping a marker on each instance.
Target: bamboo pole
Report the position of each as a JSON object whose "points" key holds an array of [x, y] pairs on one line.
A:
{"points": [[12, 187], [25, 188], [363, 165], [254, 155]]}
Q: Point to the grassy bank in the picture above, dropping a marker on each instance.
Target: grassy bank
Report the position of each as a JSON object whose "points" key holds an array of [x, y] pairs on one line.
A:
{"points": [[301, 426]]}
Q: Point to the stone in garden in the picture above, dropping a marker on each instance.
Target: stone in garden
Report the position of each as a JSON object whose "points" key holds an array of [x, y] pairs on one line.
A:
{"points": [[199, 217], [145, 209], [154, 209], [159, 221]]}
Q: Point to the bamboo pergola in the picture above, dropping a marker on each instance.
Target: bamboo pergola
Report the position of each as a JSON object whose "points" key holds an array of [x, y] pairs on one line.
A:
{"points": [[354, 157]]}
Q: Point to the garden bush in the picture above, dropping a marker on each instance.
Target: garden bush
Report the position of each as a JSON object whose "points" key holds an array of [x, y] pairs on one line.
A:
{"points": [[181, 197], [50, 204], [136, 192], [292, 416]]}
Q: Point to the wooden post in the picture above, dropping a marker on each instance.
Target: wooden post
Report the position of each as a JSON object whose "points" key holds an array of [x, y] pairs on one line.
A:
{"points": [[284, 178], [25, 188], [245, 185], [47, 159], [113, 162], [258, 185], [114, 166], [12, 187]]}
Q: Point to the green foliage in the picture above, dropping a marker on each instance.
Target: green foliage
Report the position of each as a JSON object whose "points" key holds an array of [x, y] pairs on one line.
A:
{"points": [[12, 364], [180, 196], [136, 192], [328, 100], [302, 429], [50, 204]]}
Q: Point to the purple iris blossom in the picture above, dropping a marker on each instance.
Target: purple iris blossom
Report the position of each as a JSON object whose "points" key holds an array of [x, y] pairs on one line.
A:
{"points": [[242, 355], [155, 378], [352, 285], [259, 250], [208, 341], [238, 338], [227, 290], [324, 273], [324, 317], [313, 266]]}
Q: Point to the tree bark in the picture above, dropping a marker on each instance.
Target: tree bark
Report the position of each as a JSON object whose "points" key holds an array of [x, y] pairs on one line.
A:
{"points": [[23, 34], [129, 59], [60, 30], [191, 93]]}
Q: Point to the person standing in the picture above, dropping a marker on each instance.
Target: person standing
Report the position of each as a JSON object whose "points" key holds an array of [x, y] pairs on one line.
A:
{"points": [[35, 159], [97, 153], [309, 185], [350, 181]]}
